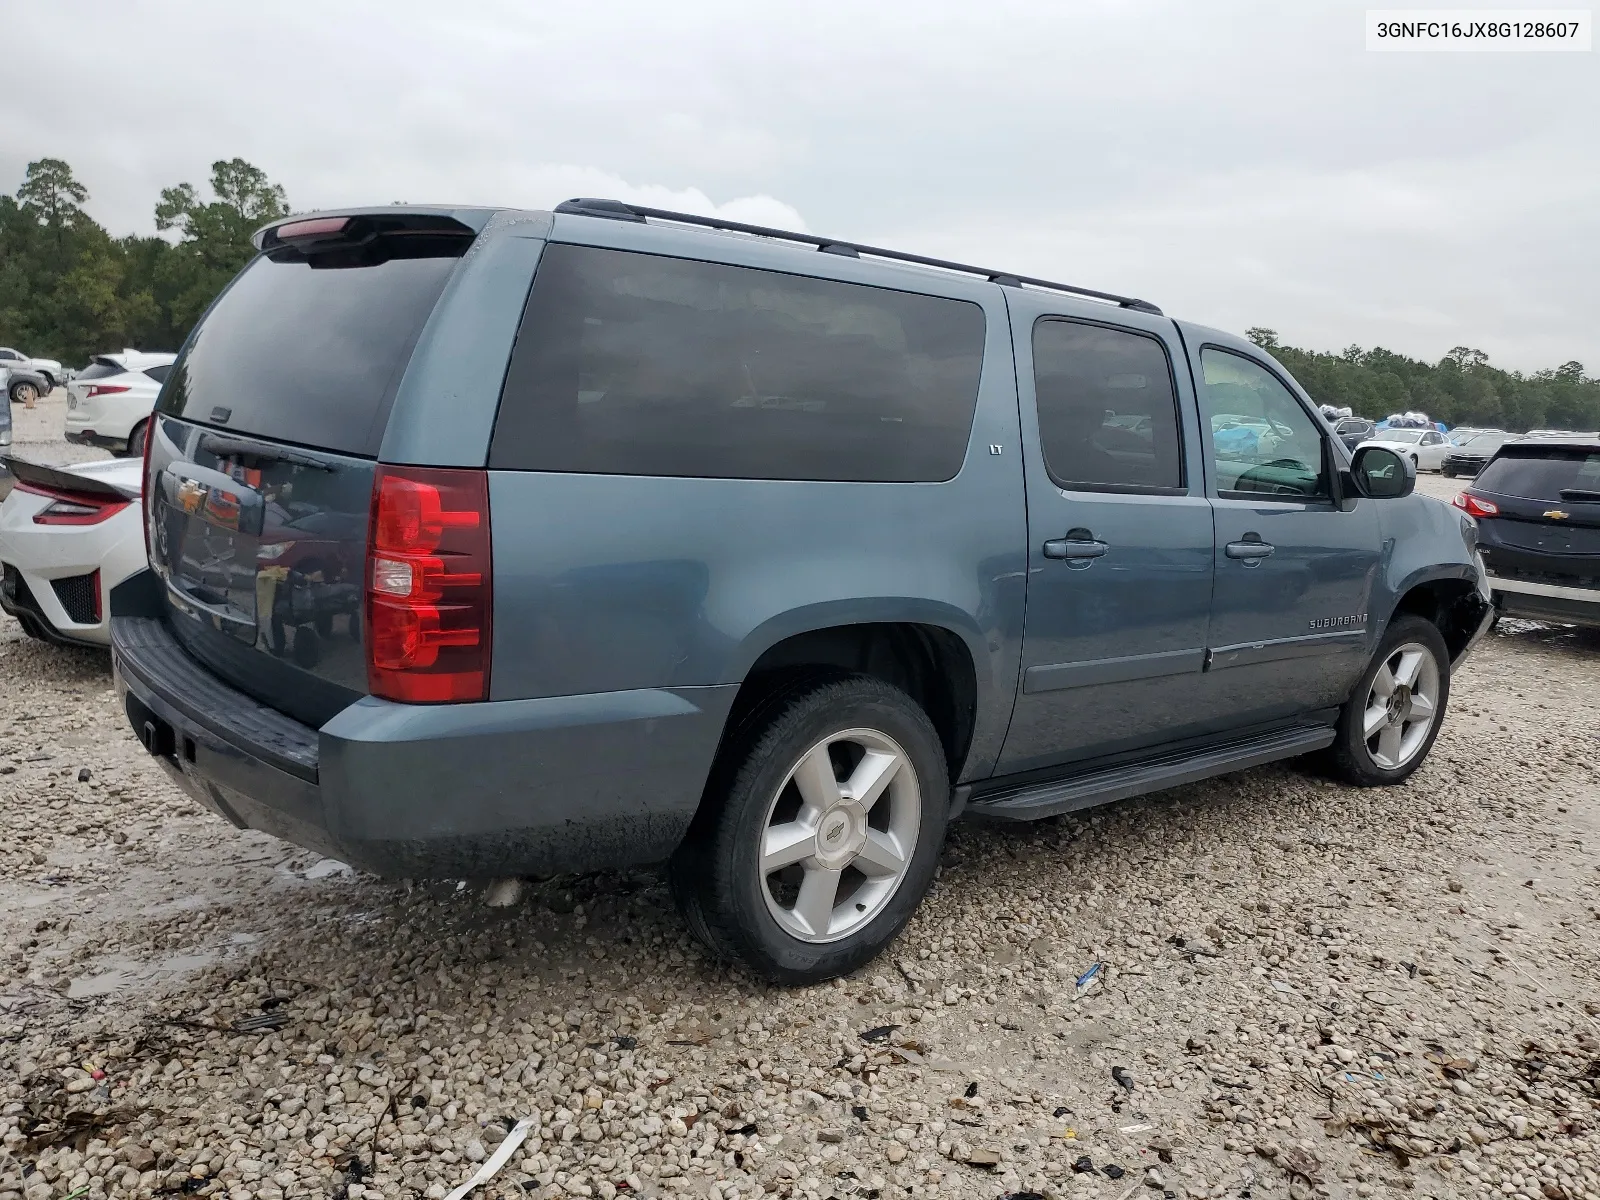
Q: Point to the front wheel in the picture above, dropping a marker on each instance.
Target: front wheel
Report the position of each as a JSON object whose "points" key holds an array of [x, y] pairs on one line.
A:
{"points": [[1389, 723], [819, 832]]}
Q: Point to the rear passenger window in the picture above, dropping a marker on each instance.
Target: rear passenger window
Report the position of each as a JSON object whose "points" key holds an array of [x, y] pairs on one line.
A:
{"points": [[1108, 414], [636, 364]]}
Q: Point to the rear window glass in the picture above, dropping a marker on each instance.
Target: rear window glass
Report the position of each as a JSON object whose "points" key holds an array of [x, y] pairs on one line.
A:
{"points": [[99, 369], [311, 352], [636, 364], [1544, 473], [1108, 415], [159, 374]]}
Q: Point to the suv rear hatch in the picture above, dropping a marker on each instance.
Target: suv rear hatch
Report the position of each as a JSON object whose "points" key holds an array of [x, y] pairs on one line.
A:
{"points": [[1548, 519], [260, 477]]}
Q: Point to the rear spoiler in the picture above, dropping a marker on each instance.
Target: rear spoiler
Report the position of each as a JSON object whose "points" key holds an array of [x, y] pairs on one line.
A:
{"points": [[62, 480]]}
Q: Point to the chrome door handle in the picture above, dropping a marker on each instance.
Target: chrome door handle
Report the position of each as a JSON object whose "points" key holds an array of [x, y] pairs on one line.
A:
{"points": [[1073, 548], [1250, 551]]}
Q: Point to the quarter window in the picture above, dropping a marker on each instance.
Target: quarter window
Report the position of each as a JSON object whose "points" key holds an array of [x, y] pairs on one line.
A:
{"points": [[1262, 440], [1108, 415], [638, 364]]}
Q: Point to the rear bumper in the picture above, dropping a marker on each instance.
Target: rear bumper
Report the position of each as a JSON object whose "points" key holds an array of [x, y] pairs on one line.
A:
{"points": [[455, 791], [1546, 602]]}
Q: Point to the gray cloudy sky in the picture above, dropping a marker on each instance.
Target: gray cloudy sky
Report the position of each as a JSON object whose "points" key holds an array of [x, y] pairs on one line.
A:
{"points": [[1237, 163]]}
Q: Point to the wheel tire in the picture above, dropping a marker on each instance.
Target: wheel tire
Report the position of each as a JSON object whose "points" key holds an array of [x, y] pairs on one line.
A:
{"points": [[1447, 472], [136, 440], [1353, 755], [716, 877], [24, 394]]}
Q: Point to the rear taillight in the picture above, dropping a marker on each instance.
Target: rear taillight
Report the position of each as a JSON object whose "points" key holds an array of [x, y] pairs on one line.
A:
{"points": [[98, 389], [1475, 506], [429, 585], [71, 508]]}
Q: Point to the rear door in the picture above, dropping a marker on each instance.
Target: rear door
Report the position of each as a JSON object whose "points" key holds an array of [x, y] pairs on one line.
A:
{"points": [[1120, 535], [261, 467], [1294, 569]]}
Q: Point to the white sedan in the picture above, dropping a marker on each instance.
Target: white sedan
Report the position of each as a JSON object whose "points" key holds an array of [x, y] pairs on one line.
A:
{"points": [[109, 402], [1426, 448], [68, 535]]}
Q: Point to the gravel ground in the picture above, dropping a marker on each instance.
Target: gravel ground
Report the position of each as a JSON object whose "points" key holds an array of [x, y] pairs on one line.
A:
{"points": [[1306, 990]]}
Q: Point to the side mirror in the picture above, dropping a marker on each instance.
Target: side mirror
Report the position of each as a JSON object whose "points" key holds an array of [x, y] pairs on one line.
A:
{"points": [[1380, 474]]}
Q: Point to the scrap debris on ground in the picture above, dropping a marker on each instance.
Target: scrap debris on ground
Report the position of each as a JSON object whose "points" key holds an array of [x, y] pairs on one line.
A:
{"points": [[1261, 986]]}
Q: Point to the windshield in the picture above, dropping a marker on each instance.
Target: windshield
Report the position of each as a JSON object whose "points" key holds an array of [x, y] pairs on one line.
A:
{"points": [[1402, 435]]}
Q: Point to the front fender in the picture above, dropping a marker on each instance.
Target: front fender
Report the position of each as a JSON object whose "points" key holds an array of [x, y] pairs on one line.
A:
{"points": [[1426, 541]]}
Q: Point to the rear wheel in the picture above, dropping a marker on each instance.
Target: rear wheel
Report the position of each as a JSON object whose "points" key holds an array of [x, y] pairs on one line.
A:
{"points": [[24, 393], [136, 440], [1390, 722], [819, 831]]}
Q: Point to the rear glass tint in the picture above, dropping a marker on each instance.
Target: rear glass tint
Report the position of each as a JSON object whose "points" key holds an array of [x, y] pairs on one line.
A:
{"points": [[311, 352], [1542, 472], [1108, 414], [636, 364], [159, 374], [100, 368]]}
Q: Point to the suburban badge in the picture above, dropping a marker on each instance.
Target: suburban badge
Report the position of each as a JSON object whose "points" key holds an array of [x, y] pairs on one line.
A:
{"points": [[1350, 621]]}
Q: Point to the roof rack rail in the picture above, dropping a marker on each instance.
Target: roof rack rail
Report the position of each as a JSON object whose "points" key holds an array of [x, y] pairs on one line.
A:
{"points": [[616, 210]]}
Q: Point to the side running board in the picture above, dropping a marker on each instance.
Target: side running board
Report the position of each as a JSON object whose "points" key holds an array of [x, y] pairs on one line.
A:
{"points": [[1058, 796]]}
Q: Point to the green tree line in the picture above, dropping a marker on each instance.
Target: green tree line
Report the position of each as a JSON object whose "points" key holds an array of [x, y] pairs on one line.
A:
{"points": [[1460, 389], [69, 290]]}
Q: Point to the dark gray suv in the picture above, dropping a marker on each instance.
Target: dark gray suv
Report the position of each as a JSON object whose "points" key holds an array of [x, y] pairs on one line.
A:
{"points": [[490, 542]]}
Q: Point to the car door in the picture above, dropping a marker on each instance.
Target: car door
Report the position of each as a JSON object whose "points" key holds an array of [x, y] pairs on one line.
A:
{"points": [[1120, 557], [1430, 455], [1295, 564]]}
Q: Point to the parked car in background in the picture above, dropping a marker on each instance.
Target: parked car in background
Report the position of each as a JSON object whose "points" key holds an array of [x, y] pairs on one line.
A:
{"points": [[1469, 454], [68, 535], [47, 368], [1425, 448], [1461, 433], [1537, 504], [646, 575], [24, 386], [109, 401], [1352, 431]]}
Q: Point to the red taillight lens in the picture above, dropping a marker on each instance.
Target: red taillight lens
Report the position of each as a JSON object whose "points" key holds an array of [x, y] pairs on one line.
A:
{"points": [[1476, 506], [109, 389], [428, 586], [315, 227], [71, 508]]}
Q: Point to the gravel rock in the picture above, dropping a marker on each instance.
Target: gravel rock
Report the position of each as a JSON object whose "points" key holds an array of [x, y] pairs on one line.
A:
{"points": [[408, 1026]]}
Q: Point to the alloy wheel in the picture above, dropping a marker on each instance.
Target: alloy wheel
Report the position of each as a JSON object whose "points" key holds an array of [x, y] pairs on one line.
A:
{"points": [[1402, 706], [839, 835]]}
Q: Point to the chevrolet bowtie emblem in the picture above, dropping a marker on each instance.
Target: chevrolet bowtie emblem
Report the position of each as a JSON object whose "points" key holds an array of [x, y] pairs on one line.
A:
{"points": [[1555, 514]]}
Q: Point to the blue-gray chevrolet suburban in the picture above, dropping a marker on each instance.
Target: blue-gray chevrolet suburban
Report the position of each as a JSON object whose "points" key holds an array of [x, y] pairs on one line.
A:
{"points": [[487, 542]]}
